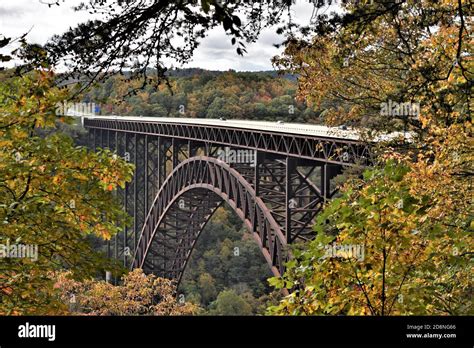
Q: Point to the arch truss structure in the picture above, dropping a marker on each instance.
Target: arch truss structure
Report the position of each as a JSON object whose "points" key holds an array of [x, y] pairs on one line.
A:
{"points": [[277, 183]]}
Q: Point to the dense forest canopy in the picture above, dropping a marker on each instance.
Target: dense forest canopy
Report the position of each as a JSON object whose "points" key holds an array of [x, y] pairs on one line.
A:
{"points": [[206, 94], [227, 273]]}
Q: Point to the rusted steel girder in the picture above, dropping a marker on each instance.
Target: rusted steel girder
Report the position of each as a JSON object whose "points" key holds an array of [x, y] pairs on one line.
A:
{"points": [[179, 183], [327, 149], [201, 174]]}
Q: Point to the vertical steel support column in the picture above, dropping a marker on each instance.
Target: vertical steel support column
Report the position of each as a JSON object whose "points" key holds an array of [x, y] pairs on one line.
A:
{"points": [[140, 181], [323, 183], [289, 195], [159, 159], [175, 149], [176, 146], [131, 189], [191, 149], [116, 247], [99, 138], [109, 251], [152, 171], [145, 147], [328, 171], [94, 132], [125, 204], [259, 158], [135, 225]]}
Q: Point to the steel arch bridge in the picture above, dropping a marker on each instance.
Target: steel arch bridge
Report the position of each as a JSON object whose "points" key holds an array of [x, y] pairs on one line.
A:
{"points": [[182, 175]]}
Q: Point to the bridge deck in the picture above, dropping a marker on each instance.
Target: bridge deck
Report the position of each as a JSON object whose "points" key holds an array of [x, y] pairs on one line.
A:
{"points": [[287, 128]]}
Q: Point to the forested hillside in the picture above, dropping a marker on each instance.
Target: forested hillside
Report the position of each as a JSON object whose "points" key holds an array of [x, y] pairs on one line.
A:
{"points": [[227, 273], [206, 94]]}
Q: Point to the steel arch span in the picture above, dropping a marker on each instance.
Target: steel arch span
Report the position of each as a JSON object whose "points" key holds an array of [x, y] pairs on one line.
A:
{"points": [[181, 178], [184, 204]]}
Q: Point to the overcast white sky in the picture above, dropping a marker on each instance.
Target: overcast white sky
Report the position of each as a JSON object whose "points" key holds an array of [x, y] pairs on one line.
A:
{"points": [[214, 53]]}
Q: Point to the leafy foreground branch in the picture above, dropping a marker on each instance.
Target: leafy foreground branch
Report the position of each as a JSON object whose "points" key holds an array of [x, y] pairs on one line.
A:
{"points": [[416, 259], [54, 196], [412, 213]]}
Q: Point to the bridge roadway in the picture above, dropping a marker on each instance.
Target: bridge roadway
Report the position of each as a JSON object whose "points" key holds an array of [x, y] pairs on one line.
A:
{"points": [[304, 129], [180, 180], [300, 141]]}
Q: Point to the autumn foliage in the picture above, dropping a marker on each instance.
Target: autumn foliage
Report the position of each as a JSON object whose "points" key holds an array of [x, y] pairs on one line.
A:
{"points": [[412, 212], [53, 194], [138, 294]]}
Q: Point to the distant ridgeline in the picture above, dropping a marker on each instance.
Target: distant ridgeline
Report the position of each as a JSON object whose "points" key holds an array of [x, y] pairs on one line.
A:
{"points": [[207, 94]]}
